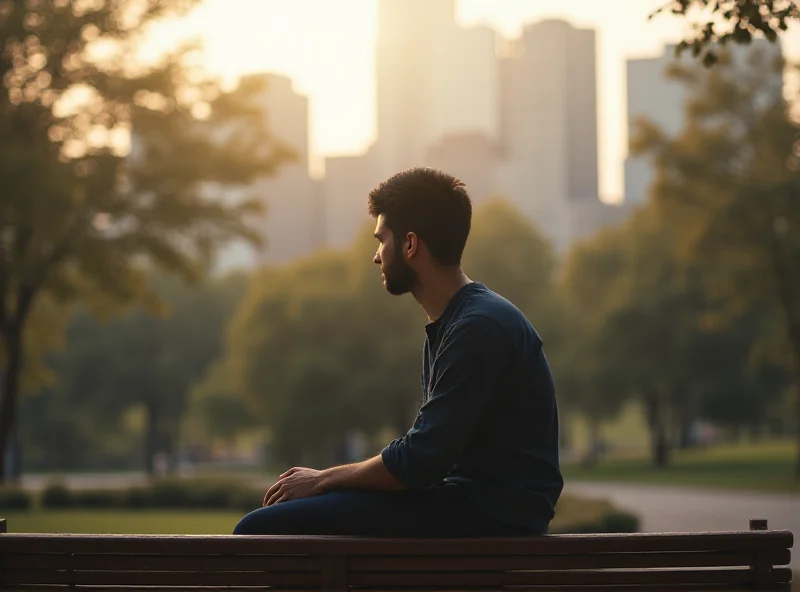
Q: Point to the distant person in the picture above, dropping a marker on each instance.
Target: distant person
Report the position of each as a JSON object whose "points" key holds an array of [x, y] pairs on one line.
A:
{"points": [[482, 456]]}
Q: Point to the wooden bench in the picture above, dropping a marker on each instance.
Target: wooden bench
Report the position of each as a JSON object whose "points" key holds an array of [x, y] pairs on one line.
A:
{"points": [[750, 560]]}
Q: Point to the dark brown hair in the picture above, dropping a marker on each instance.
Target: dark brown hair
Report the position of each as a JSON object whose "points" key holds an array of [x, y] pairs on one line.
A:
{"points": [[430, 203]]}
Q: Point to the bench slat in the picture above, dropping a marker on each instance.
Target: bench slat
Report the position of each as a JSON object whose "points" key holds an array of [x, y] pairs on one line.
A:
{"points": [[155, 578], [161, 562], [563, 562], [571, 578], [778, 587], [546, 545]]}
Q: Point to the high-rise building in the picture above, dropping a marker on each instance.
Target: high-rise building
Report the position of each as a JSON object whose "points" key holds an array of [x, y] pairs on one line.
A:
{"points": [[652, 95], [548, 122], [348, 181], [470, 157], [659, 98], [433, 78], [293, 222]]}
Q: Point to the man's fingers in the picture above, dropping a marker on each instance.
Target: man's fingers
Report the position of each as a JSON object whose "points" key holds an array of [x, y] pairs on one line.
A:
{"points": [[275, 496], [287, 473], [271, 491]]}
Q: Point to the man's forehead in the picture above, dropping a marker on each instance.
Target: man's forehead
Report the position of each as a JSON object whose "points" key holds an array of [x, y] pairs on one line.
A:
{"points": [[379, 225]]}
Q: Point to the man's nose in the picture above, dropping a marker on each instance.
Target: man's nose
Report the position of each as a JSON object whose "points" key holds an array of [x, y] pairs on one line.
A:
{"points": [[376, 259]]}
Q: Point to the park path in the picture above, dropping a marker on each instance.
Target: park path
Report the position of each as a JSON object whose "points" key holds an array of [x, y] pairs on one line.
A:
{"points": [[667, 508]]}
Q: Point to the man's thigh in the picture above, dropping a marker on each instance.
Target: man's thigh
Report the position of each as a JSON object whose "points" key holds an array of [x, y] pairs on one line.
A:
{"points": [[436, 513]]}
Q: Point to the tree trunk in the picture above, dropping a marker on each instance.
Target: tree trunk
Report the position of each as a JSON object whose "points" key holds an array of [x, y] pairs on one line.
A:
{"points": [[658, 430], [10, 392], [593, 454], [151, 440]]}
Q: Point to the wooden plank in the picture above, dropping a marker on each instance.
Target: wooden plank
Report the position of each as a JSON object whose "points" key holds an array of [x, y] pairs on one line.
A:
{"points": [[736, 577], [160, 562], [631, 588], [157, 578], [293, 545], [42, 587], [562, 562]]}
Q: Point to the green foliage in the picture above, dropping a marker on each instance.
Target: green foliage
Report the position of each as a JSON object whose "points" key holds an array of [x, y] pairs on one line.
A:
{"points": [[80, 218], [610, 522], [12, 498], [128, 380], [161, 494], [56, 496], [729, 183], [719, 22]]}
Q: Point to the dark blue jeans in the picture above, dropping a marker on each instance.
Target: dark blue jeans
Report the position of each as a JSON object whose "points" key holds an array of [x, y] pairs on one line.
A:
{"points": [[441, 511]]}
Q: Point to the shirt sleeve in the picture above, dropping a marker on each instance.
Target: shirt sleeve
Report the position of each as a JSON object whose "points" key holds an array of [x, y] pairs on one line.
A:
{"points": [[472, 360]]}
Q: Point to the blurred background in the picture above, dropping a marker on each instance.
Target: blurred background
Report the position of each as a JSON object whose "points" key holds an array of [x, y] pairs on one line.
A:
{"points": [[187, 301]]}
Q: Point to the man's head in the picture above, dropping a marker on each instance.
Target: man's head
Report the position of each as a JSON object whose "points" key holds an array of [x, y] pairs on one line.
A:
{"points": [[423, 221]]}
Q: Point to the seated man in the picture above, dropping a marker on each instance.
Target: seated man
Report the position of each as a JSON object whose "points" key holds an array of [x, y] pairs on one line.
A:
{"points": [[482, 456]]}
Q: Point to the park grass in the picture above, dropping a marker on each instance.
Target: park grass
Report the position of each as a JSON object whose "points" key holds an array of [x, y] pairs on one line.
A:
{"points": [[570, 511], [122, 521], [767, 467]]}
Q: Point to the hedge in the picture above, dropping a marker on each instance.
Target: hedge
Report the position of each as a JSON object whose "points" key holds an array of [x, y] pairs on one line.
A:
{"points": [[12, 498]]}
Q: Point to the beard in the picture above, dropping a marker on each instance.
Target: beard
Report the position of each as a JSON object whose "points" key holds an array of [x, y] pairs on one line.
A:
{"points": [[400, 276]]}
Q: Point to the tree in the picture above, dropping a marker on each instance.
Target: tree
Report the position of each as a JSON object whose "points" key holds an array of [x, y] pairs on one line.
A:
{"points": [[139, 363], [587, 381], [731, 181], [723, 21], [79, 219]]}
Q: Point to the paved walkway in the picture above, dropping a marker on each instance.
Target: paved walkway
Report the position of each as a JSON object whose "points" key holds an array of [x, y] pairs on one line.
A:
{"points": [[665, 508]]}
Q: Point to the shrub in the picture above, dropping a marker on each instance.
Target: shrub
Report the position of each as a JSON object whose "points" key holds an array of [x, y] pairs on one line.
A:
{"points": [[99, 498], [12, 498], [611, 521], [57, 495], [618, 521]]}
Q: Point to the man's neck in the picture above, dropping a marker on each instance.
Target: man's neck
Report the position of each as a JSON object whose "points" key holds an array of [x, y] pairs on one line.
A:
{"points": [[434, 293]]}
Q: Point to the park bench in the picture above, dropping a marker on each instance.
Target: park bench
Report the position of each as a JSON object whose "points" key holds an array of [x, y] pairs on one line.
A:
{"points": [[749, 560]]}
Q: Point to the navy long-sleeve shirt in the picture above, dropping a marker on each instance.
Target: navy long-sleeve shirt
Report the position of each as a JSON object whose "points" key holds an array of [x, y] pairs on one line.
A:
{"points": [[488, 421]]}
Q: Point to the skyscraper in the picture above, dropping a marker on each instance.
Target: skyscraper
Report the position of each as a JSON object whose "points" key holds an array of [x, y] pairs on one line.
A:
{"points": [[657, 97], [433, 78], [293, 224], [548, 122], [660, 100]]}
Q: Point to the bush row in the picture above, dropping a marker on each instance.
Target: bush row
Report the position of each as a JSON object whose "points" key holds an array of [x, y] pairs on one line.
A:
{"points": [[15, 499], [611, 521], [186, 495]]}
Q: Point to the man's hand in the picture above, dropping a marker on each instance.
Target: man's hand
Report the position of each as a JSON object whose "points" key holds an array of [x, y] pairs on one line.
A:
{"points": [[295, 483]]}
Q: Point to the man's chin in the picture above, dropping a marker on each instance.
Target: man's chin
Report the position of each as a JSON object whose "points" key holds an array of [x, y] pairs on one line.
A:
{"points": [[394, 290]]}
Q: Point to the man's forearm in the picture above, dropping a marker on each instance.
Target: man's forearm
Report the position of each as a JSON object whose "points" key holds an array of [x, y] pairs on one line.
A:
{"points": [[370, 474]]}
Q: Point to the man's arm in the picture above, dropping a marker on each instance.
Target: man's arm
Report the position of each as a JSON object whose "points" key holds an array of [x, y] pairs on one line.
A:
{"points": [[300, 482], [467, 378]]}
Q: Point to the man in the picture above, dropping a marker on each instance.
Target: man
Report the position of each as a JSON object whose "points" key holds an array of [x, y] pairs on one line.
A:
{"points": [[482, 456]]}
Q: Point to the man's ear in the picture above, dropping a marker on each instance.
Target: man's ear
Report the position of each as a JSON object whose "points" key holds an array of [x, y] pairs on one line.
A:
{"points": [[412, 243]]}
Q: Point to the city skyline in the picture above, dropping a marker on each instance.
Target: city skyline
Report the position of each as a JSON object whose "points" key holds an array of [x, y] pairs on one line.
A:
{"points": [[329, 52]]}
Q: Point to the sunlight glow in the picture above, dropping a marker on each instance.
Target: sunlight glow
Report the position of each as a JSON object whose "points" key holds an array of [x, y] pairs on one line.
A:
{"points": [[326, 47]]}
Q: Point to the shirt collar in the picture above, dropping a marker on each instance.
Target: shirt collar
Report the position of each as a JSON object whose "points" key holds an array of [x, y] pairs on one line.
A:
{"points": [[432, 328]]}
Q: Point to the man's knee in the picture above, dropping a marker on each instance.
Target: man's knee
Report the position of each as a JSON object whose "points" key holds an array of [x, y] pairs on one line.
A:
{"points": [[250, 524]]}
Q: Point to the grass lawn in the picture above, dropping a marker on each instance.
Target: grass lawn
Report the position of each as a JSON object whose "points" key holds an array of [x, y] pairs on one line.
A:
{"points": [[570, 511], [122, 522], [759, 467]]}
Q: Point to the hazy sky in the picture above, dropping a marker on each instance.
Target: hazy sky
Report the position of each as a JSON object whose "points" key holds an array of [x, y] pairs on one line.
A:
{"points": [[327, 47]]}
